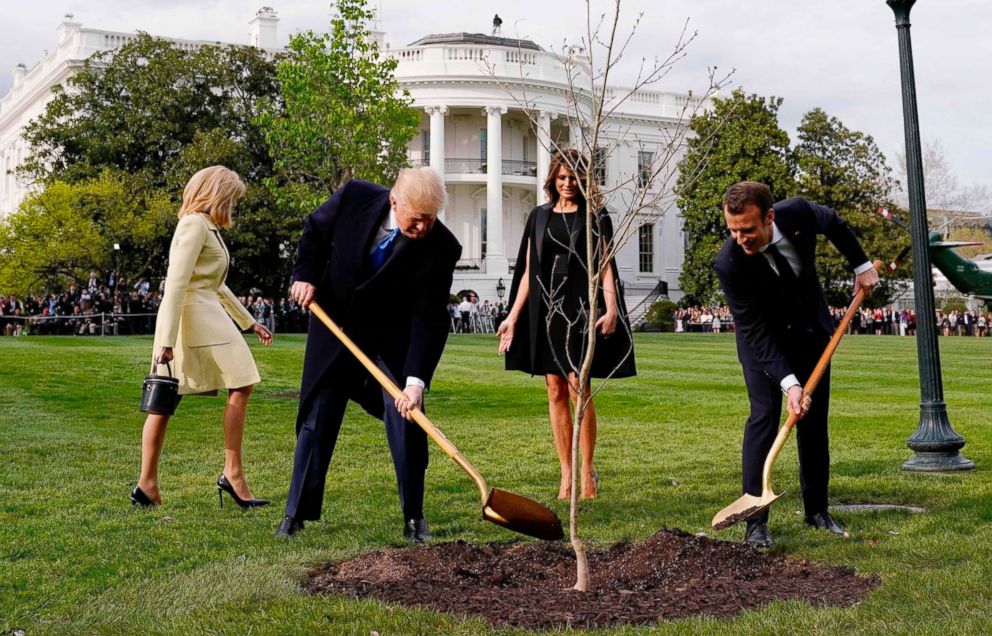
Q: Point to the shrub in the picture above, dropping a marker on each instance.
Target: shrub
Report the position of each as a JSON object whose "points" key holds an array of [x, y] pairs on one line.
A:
{"points": [[661, 315]]}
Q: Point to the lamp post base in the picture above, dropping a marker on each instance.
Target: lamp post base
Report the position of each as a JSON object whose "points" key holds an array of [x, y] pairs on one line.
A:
{"points": [[935, 443], [948, 461]]}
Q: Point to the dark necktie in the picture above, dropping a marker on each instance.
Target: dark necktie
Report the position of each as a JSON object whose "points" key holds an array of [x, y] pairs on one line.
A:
{"points": [[785, 272], [385, 247]]}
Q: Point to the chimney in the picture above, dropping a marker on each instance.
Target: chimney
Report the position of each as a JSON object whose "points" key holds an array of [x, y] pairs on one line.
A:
{"points": [[67, 28], [263, 28], [19, 72]]}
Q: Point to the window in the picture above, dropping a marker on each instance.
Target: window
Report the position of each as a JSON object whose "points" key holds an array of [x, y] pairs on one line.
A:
{"points": [[646, 248], [483, 144], [426, 154], [644, 166]]}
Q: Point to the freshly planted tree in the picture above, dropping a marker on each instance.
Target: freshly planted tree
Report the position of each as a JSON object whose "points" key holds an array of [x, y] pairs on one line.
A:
{"points": [[617, 205], [343, 113]]}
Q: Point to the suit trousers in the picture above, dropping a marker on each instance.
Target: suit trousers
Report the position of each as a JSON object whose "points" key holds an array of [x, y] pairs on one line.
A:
{"points": [[317, 427], [762, 426]]}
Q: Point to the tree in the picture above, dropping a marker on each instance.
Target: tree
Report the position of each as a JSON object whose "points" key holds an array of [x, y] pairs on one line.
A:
{"points": [[738, 139], [67, 230], [844, 169], [639, 196], [948, 202], [137, 108], [344, 115], [154, 113]]}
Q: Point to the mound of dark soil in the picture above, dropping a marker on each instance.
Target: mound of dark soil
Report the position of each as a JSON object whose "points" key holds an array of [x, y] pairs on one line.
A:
{"points": [[669, 575]]}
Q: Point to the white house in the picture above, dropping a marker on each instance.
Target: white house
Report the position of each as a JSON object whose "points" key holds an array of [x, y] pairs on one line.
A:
{"points": [[493, 108]]}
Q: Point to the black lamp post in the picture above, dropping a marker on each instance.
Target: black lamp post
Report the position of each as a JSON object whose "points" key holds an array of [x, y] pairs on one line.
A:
{"points": [[500, 289], [935, 444]]}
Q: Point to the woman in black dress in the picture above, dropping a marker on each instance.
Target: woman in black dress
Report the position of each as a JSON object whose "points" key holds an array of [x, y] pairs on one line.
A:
{"points": [[546, 329]]}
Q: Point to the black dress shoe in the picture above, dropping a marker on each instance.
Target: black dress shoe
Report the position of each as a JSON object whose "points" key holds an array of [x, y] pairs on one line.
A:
{"points": [[757, 534], [139, 498], [288, 528], [824, 521], [415, 530], [223, 485]]}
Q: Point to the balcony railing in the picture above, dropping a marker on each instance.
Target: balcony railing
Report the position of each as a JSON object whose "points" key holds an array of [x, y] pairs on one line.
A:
{"points": [[479, 166], [523, 168], [465, 166]]}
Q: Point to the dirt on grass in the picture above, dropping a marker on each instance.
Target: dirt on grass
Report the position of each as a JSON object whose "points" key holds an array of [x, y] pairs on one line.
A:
{"points": [[669, 575]]}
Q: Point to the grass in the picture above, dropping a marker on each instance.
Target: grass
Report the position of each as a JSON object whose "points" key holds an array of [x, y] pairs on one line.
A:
{"points": [[76, 558]]}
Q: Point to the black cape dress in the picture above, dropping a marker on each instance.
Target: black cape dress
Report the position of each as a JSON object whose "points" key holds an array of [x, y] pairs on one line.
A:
{"points": [[558, 285]]}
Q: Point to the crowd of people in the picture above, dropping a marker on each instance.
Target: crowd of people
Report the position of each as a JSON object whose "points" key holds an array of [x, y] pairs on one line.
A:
{"points": [[703, 319], [884, 321], [471, 316], [112, 305]]}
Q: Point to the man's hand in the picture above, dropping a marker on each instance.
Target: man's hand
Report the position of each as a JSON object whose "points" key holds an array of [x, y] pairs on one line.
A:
{"points": [[302, 293], [505, 333], [798, 403], [412, 398], [866, 280], [264, 335]]}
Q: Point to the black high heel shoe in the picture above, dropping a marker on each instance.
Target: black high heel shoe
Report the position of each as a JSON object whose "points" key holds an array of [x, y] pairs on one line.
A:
{"points": [[139, 498], [225, 486]]}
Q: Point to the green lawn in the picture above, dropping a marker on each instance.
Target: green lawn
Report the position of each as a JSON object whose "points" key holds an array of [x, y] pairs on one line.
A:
{"points": [[75, 557]]}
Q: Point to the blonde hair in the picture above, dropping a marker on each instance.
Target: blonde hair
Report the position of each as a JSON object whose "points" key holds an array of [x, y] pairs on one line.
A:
{"points": [[421, 189], [213, 191]]}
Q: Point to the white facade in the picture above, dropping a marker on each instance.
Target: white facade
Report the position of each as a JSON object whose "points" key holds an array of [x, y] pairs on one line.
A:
{"points": [[478, 95], [493, 109]]}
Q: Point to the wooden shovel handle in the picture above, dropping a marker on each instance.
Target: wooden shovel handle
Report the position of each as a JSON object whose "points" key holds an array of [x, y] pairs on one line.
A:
{"points": [[385, 381], [811, 383]]}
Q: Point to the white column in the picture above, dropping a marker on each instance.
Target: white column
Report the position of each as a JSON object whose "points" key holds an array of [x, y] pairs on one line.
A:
{"points": [[543, 151], [575, 135], [437, 114], [495, 250], [436, 158]]}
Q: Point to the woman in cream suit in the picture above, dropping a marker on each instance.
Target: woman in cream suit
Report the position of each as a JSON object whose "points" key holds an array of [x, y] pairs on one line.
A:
{"points": [[195, 332]]}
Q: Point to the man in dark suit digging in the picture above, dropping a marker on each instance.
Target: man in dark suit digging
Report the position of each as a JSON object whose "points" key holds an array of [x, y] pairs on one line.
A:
{"points": [[767, 270], [380, 264]]}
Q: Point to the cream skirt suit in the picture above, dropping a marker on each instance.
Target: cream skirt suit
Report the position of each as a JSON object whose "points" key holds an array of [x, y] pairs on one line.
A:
{"points": [[196, 311]]}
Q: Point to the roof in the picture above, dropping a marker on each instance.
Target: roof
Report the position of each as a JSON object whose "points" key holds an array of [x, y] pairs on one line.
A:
{"points": [[476, 38]]}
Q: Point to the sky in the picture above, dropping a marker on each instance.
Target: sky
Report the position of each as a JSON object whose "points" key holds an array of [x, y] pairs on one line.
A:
{"points": [[839, 55]]}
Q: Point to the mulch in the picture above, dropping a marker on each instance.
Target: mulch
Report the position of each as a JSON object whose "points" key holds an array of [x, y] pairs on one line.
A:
{"points": [[669, 575]]}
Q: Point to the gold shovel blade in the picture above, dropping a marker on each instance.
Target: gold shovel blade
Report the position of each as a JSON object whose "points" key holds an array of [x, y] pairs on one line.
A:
{"points": [[744, 508], [522, 515]]}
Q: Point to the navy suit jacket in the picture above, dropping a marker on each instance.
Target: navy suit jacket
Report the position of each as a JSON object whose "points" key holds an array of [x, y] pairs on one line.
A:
{"points": [[775, 323], [398, 313]]}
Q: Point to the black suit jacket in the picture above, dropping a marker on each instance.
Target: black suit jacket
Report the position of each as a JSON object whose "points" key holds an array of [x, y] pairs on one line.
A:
{"points": [[398, 313], [772, 322]]}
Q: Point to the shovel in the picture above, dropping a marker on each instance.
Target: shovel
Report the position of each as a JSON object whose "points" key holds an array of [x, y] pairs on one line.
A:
{"points": [[503, 508], [750, 505]]}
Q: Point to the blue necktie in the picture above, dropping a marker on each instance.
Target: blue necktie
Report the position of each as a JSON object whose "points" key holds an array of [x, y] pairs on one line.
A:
{"points": [[384, 249]]}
